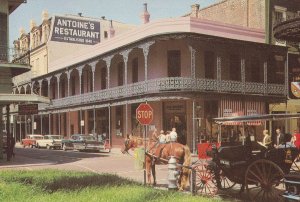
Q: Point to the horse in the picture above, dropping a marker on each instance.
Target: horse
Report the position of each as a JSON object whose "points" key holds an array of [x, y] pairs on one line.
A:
{"points": [[157, 153]]}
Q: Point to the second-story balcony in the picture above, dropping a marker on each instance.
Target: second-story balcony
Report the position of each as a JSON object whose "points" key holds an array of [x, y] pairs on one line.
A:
{"points": [[15, 59], [162, 86], [288, 30]]}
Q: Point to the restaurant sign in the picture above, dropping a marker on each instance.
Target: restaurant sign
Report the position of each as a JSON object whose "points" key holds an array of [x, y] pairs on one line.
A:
{"points": [[73, 30]]}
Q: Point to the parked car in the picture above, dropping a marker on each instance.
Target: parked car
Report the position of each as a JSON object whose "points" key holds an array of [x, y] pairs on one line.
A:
{"points": [[82, 142], [49, 142], [292, 186], [30, 140]]}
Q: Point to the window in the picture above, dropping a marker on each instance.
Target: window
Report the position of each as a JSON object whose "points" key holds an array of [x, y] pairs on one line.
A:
{"points": [[89, 81], [209, 64], [256, 73], [105, 34], [135, 70], [53, 86], [276, 69], [174, 63], [63, 86], [120, 74], [234, 67], [278, 17], [280, 14], [103, 78], [73, 85]]}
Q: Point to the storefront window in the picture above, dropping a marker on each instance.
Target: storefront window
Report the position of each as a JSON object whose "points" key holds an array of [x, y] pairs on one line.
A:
{"points": [[175, 117]]}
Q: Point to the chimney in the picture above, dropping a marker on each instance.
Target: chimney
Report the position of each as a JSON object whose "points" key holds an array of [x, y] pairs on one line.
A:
{"points": [[145, 16], [21, 31], [45, 15], [195, 10], [111, 30], [32, 24]]}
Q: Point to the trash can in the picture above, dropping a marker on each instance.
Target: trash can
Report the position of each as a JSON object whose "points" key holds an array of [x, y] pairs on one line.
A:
{"points": [[139, 157]]}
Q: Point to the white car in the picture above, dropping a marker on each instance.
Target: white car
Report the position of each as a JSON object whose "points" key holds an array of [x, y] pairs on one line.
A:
{"points": [[49, 142]]}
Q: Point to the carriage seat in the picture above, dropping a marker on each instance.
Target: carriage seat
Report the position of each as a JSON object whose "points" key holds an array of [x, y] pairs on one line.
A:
{"points": [[282, 156], [233, 155]]}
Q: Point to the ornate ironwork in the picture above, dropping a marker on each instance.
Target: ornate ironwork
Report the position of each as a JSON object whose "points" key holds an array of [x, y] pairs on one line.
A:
{"points": [[193, 62], [162, 85], [14, 55], [288, 30], [146, 47]]}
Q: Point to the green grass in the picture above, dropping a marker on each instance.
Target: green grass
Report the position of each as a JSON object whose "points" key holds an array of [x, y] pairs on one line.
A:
{"points": [[57, 185]]}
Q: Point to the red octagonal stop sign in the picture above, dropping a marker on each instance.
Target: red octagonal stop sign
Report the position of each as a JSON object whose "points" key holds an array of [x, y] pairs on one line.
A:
{"points": [[144, 114]]}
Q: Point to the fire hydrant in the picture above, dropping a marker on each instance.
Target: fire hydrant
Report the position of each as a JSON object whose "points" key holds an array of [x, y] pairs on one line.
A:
{"points": [[173, 173]]}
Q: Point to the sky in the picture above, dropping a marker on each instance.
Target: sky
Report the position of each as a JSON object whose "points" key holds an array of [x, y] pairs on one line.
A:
{"points": [[126, 11]]}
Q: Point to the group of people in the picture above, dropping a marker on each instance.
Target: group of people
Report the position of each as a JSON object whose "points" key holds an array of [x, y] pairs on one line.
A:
{"points": [[281, 140], [163, 138]]}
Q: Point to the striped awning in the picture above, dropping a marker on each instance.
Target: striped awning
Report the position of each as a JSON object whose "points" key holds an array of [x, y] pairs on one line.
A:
{"points": [[264, 117], [234, 108]]}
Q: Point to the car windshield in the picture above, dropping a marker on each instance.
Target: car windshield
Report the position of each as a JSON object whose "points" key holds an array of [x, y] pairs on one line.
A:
{"points": [[55, 137], [88, 138]]}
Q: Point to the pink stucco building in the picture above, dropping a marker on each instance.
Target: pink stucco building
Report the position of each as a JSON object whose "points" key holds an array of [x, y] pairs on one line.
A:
{"points": [[189, 70]]}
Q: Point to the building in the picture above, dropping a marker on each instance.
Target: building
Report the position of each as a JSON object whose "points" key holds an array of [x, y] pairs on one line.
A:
{"points": [[43, 43], [8, 69], [181, 66], [262, 15]]}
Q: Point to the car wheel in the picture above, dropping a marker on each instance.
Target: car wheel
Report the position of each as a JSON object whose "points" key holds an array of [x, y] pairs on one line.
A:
{"points": [[48, 146]]}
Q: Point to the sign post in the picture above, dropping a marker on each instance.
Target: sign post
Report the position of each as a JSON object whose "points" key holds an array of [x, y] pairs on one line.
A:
{"points": [[144, 114]]}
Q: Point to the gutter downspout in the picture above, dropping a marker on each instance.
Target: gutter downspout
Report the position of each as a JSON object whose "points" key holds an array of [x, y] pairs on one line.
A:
{"points": [[268, 24]]}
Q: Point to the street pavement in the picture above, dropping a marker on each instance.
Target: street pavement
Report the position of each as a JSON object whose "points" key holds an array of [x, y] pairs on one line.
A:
{"points": [[114, 163]]}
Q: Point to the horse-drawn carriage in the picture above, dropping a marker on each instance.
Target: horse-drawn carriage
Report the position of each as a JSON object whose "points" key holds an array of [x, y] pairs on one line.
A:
{"points": [[258, 170]]}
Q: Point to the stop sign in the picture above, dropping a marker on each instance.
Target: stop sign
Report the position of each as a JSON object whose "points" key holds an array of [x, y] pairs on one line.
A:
{"points": [[144, 114]]}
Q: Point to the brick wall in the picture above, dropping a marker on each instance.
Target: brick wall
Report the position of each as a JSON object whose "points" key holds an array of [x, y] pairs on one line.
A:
{"points": [[237, 12]]}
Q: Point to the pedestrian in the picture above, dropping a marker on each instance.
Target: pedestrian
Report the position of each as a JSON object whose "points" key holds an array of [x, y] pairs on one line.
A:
{"points": [[279, 138], [162, 137], [287, 141], [12, 144], [267, 141], [173, 135]]}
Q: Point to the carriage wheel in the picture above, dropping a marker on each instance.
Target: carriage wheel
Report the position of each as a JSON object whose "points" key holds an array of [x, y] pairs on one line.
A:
{"points": [[205, 180], [225, 183], [262, 180]]}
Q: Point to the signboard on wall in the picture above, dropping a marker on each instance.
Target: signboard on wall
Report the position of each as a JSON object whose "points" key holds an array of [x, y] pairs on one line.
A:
{"points": [[28, 109], [294, 75], [74, 30]]}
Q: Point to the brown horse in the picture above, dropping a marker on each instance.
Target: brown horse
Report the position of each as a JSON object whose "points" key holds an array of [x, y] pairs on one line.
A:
{"points": [[160, 153]]}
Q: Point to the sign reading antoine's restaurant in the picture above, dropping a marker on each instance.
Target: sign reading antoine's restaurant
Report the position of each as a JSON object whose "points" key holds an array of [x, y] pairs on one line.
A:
{"points": [[73, 30]]}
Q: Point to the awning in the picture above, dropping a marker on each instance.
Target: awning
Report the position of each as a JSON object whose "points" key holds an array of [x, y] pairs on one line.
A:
{"points": [[254, 118], [22, 98], [233, 108]]}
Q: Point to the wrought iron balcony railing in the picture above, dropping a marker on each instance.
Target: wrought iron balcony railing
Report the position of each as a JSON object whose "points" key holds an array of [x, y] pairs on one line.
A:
{"points": [[162, 85], [13, 55]]}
